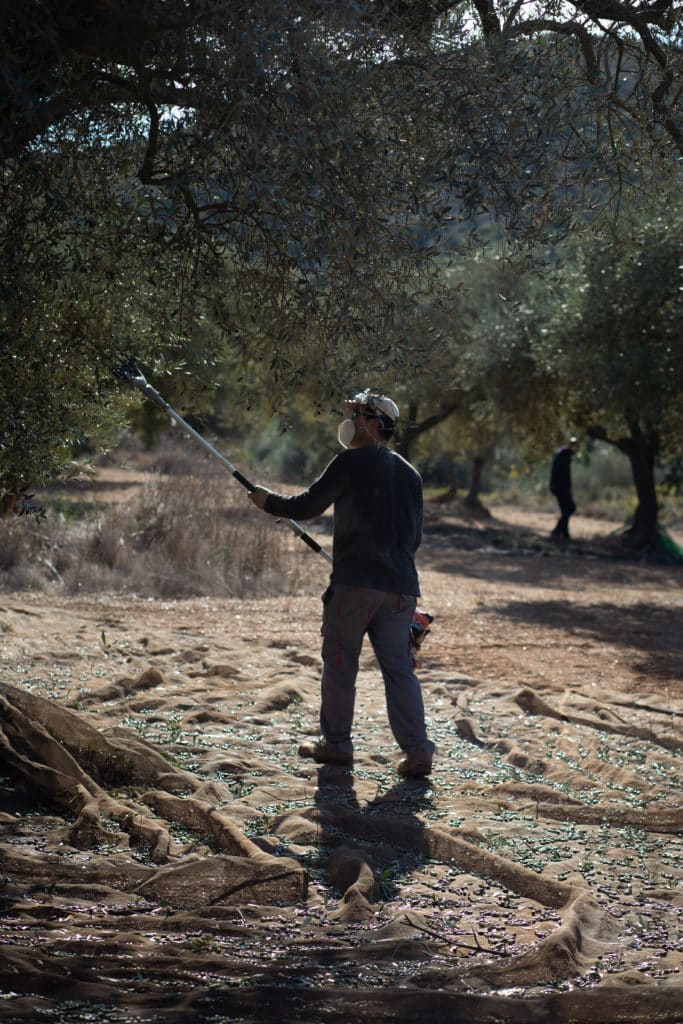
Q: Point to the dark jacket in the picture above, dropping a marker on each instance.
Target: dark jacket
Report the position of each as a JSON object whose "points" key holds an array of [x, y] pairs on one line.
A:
{"points": [[377, 498], [561, 472]]}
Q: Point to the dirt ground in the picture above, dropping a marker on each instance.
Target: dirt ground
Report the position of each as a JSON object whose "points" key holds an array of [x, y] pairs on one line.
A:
{"points": [[166, 856]]}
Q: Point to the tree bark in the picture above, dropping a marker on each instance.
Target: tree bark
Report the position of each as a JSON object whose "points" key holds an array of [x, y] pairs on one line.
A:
{"points": [[641, 446], [8, 504], [475, 481], [472, 499], [644, 526]]}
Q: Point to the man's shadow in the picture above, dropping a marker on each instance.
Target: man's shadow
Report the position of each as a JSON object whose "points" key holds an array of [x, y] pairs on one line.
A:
{"points": [[385, 830]]}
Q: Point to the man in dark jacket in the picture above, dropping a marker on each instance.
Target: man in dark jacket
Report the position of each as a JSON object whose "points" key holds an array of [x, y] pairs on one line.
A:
{"points": [[377, 498], [561, 487]]}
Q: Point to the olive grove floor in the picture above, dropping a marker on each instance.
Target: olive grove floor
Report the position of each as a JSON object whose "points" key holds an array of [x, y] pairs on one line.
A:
{"points": [[166, 856]]}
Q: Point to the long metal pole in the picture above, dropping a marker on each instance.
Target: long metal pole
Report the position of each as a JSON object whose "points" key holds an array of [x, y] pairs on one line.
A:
{"points": [[129, 371]]}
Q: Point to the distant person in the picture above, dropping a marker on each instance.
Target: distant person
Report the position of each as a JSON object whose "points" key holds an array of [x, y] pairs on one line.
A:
{"points": [[561, 487], [377, 498]]}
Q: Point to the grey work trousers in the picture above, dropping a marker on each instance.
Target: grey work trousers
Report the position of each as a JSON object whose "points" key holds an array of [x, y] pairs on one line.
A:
{"points": [[348, 614]]}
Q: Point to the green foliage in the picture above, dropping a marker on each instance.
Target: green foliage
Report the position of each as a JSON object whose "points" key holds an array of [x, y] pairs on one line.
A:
{"points": [[273, 184], [615, 338], [611, 345], [81, 285], [482, 385], [296, 447]]}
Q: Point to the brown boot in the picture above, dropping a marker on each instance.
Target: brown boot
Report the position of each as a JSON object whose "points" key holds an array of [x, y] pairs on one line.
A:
{"points": [[325, 752], [411, 767]]}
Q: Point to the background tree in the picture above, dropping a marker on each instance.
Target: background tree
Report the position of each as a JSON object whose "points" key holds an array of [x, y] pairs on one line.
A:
{"points": [[482, 386], [614, 347]]}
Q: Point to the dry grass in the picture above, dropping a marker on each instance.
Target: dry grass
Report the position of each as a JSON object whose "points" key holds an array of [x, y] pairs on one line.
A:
{"points": [[179, 537], [171, 523]]}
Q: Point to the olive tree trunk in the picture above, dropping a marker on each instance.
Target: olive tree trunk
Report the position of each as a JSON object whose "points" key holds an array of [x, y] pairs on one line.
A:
{"points": [[641, 446]]}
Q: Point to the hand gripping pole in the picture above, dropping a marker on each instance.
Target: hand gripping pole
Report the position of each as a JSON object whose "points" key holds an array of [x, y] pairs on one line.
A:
{"points": [[130, 372]]}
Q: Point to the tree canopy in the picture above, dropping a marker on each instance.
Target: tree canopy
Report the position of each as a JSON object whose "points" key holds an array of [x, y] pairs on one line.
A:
{"points": [[280, 178], [609, 342]]}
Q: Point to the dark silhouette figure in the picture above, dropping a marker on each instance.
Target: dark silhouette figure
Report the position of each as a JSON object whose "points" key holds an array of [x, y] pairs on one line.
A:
{"points": [[561, 487]]}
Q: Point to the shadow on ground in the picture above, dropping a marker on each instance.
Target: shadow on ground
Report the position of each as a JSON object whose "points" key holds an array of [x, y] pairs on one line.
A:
{"points": [[504, 549], [653, 629]]}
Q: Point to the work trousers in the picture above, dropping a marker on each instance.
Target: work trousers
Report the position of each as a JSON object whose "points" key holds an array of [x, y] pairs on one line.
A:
{"points": [[348, 614]]}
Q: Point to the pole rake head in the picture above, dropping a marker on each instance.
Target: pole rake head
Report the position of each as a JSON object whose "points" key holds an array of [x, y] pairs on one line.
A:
{"points": [[129, 371]]}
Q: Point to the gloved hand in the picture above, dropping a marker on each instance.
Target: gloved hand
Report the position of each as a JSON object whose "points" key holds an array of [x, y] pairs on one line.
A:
{"points": [[259, 495]]}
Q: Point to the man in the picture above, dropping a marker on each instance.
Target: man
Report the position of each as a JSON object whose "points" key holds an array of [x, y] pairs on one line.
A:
{"points": [[561, 487], [377, 498]]}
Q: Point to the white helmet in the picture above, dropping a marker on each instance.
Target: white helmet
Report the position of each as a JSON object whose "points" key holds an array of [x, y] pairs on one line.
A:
{"points": [[379, 405]]}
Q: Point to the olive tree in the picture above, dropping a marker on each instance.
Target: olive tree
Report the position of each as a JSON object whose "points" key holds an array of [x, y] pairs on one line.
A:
{"points": [[171, 165], [482, 386], [283, 175], [614, 346]]}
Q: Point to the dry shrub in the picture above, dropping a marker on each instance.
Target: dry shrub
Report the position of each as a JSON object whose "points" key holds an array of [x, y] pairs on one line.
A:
{"points": [[107, 545], [175, 453], [183, 537], [200, 536], [17, 541], [23, 565], [179, 455], [26, 576]]}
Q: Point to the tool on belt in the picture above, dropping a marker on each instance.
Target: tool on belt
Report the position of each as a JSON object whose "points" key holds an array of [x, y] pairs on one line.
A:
{"points": [[419, 628]]}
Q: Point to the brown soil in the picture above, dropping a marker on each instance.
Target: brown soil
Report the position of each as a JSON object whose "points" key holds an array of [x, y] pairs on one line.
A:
{"points": [[166, 855]]}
